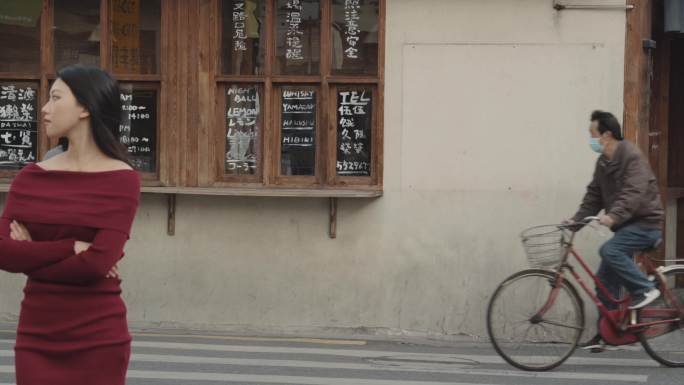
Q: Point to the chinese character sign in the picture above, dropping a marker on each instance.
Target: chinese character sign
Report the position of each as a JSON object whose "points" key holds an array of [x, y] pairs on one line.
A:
{"points": [[354, 33], [354, 122], [126, 36], [352, 16], [239, 26], [293, 20], [18, 125]]}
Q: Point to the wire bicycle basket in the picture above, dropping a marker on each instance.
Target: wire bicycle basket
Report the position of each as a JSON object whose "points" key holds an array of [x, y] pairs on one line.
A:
{"points": [[544, 245]]}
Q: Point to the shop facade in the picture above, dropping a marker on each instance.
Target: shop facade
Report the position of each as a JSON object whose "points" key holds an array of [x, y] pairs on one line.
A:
{"points": [[332, 166]]}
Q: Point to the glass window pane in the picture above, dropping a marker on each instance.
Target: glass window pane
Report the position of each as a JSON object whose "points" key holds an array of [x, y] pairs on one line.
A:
{"points": [[243, 129], [135, 36], [18, 124], [298, 42], [20, 35], [138, 128], [243, 42], [77, 32], [354, 131], [298, 131], [355, 37]]}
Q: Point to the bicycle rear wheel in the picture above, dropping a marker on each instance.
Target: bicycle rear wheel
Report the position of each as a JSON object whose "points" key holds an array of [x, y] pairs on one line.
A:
{"points": [[665, 342], [521, 335]]}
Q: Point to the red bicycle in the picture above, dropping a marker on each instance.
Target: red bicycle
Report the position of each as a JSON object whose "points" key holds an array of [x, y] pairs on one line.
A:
{"points": [[535, 317]]}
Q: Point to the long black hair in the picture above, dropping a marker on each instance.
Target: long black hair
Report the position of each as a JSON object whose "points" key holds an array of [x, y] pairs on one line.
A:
{"points": [[98, 91]]}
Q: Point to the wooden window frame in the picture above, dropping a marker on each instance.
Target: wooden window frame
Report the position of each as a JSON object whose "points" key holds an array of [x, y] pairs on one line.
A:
{"points": [[48, 74], [325, 83], [143, 82], [41, 78], [190, 112]]}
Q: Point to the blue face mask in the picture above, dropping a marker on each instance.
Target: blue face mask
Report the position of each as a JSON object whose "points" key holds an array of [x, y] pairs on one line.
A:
{"points": [[596, 145]]}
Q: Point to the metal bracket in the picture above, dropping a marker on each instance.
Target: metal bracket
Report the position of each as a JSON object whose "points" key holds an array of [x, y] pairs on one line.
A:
{"points": [[333, 218], [171, 215], [649, 44]]}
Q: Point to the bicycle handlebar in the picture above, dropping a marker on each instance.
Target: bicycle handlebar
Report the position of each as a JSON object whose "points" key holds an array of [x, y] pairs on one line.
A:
{"points": [[575, 226]]}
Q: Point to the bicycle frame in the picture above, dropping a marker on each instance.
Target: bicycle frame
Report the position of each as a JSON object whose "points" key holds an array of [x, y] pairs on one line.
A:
{"points": [[623, 320]]}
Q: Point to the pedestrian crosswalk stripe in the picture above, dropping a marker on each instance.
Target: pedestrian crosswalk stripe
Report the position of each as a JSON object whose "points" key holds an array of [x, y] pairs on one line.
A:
{"points": [[298, 380], [485, 359], [258, 378], [480, 358], [441, 368], [318, 341]]}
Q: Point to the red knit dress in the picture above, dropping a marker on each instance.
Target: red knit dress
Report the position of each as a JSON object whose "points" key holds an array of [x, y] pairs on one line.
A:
{"points": [[72, 326]]}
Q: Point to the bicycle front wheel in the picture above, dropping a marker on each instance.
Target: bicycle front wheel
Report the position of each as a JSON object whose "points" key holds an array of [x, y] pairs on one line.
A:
{"points": [[665, 342], [533, 324]]}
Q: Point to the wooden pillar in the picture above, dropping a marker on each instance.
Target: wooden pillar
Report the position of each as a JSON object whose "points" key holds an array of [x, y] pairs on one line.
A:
{"points": [[646, 102], [637, 73]]}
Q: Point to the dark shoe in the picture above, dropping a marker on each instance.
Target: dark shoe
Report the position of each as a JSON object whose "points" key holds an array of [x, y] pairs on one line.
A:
{"points": [[594, 345], [645, 299]]}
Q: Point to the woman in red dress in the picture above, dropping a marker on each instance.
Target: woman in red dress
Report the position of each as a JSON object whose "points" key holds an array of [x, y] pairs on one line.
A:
{"points": [[65, 225]]}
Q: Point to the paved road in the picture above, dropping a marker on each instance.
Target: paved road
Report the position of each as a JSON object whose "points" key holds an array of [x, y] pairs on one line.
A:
{"points": [[210, 360]]}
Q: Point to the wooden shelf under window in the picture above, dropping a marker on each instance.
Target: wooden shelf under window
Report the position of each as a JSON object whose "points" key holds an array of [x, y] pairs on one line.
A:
{"points": [[267, 192], [258, 192]]}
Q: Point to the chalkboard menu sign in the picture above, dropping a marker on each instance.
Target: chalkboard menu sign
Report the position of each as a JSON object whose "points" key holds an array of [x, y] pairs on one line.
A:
{"points": [[138, 128], [298, 131], [243, 126], [18, 124], [354, 124]]}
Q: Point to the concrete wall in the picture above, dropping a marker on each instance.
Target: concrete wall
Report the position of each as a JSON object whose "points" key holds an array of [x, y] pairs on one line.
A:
{"points": [[487, 106]]}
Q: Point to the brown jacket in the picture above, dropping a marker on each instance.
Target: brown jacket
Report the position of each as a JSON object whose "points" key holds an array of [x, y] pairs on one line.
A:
{"points": [[626, 188]]}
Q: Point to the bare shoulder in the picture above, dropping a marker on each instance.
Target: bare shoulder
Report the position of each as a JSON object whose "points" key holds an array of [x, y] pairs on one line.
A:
{"points": [[59, 163], [115, 165], [55, 162]]}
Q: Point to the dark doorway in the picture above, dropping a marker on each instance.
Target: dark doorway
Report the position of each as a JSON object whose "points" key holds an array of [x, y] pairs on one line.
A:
{"points": [[666, 122]]}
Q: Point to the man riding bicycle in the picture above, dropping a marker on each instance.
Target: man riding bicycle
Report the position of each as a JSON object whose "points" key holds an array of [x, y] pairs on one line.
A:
{"points": [[625, 187]]}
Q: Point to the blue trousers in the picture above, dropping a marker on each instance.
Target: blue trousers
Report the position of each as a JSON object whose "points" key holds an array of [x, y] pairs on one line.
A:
{"points": [[617, 264]]}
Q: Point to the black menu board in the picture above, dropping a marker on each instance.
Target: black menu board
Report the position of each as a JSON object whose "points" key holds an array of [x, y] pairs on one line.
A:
{"points": [[243, 126], [18, 124], [138, 128], [354, 139], [298, 131]]}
